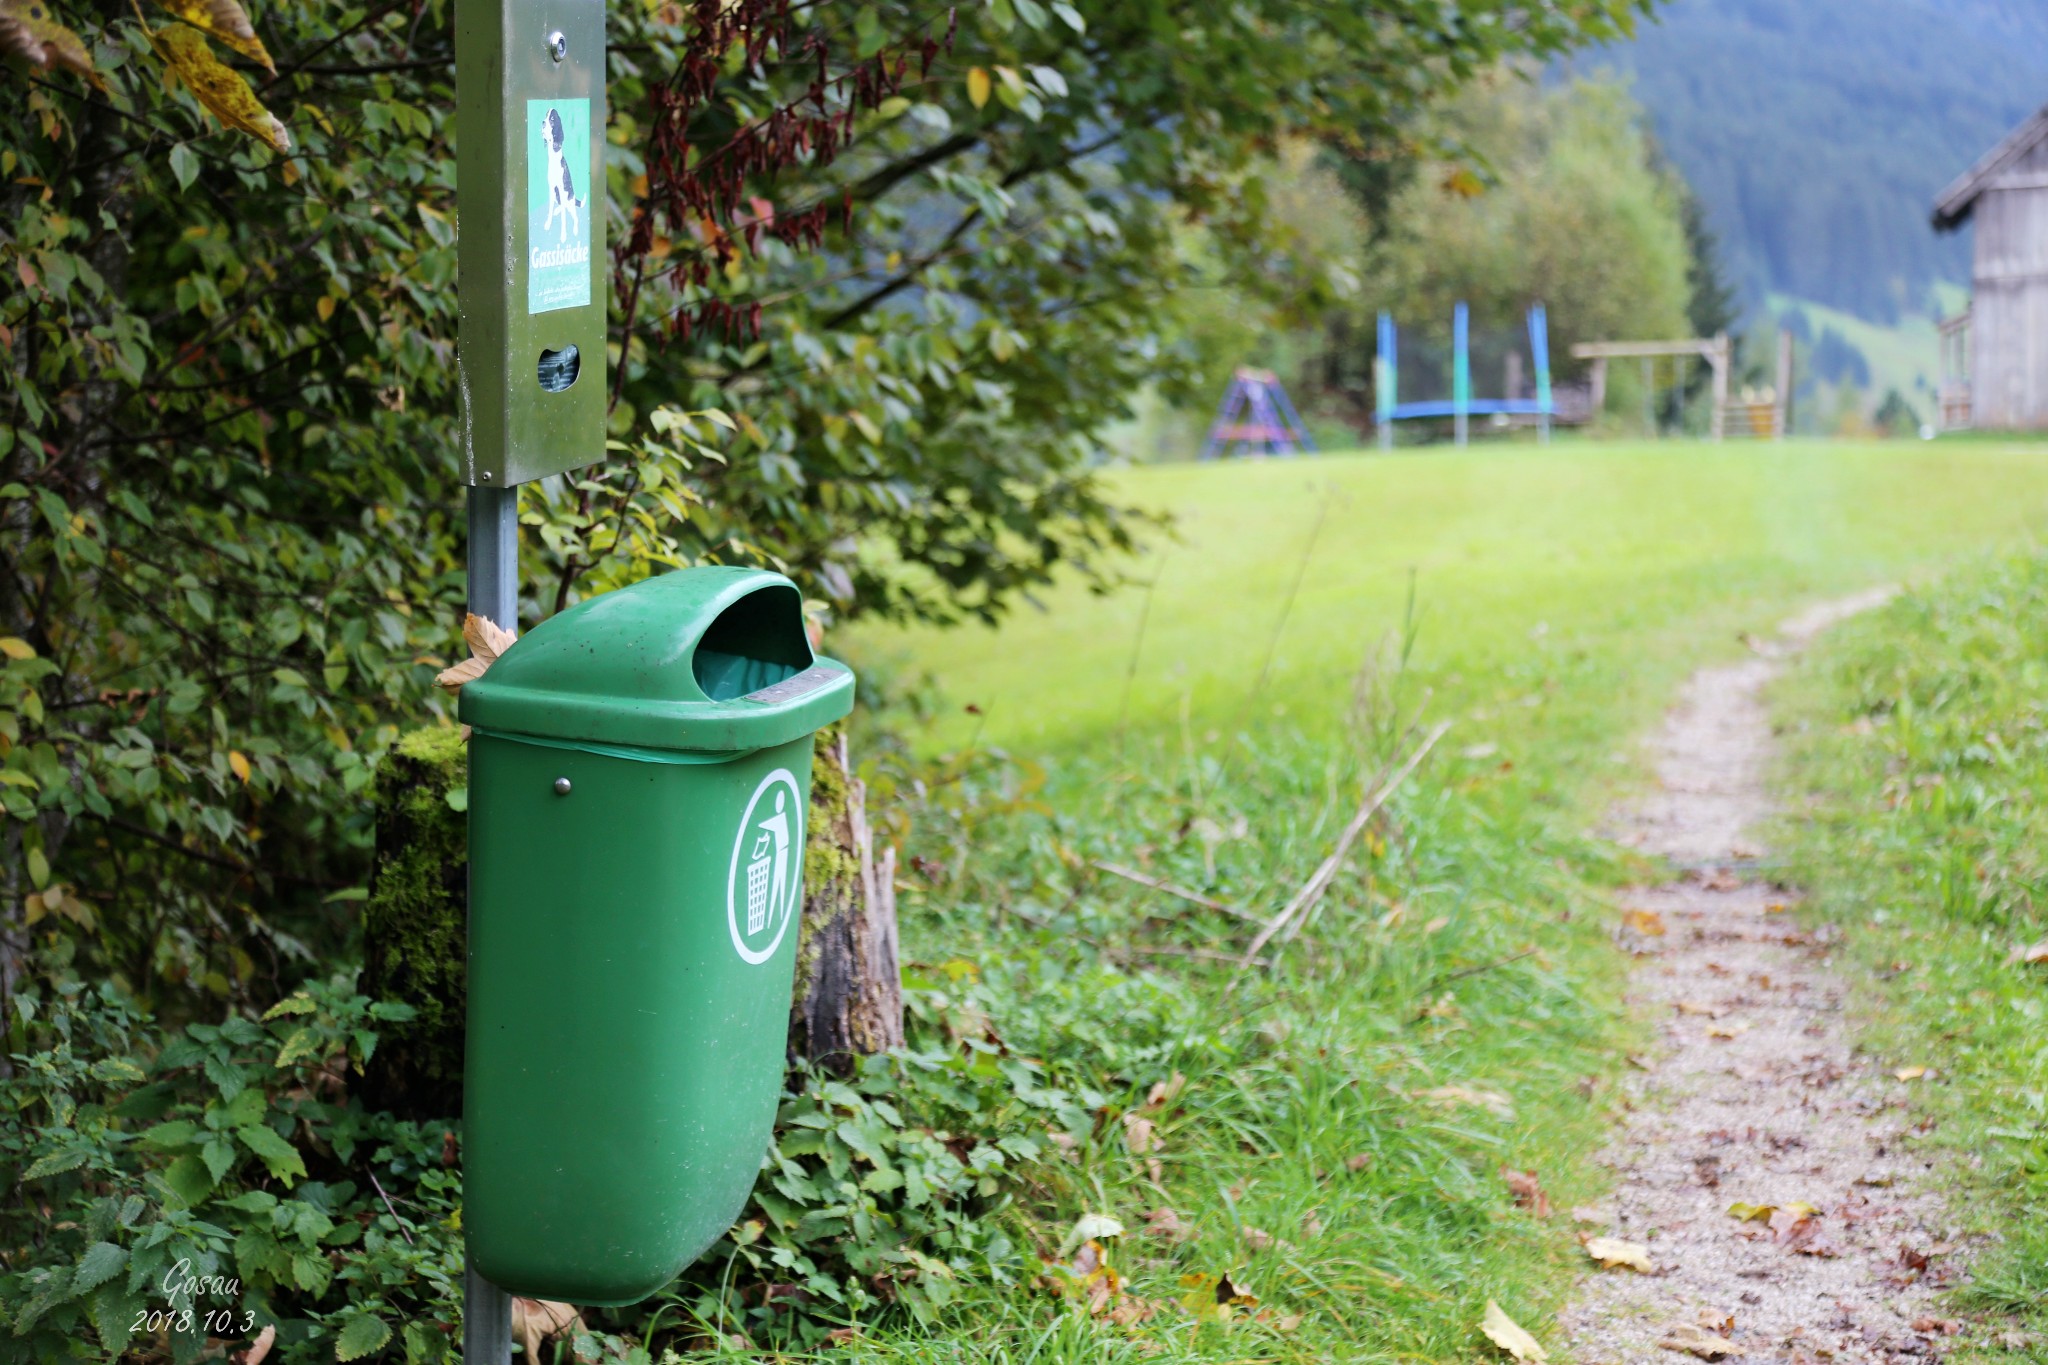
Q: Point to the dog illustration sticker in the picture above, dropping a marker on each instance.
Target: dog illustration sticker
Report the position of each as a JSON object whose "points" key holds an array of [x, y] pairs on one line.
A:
{"points": [[558, 201], [765, 881]]}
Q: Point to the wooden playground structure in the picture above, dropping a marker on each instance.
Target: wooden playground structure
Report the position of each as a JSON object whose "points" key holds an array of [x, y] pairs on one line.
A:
{"points": [[1765, 416]]}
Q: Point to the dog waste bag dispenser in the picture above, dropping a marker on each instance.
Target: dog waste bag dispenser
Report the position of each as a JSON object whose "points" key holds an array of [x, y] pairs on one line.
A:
{"points": [[640, 771]]}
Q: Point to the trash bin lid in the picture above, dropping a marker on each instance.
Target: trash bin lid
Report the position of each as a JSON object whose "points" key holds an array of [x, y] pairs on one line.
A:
{"points": [[707, 659]]}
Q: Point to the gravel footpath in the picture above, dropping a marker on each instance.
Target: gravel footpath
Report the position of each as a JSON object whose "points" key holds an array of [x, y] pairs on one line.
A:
{"points": [[1752, 1094]]}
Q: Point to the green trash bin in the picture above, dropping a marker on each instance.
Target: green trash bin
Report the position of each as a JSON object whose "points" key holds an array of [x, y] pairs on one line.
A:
{"points": [[640, 769]]}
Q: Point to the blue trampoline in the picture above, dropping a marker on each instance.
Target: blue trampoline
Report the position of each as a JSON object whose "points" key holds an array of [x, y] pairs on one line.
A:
{"points": [[1461, 406]]}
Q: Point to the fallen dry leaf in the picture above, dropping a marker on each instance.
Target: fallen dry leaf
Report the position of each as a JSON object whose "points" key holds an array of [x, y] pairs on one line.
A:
{"points": [[1214, 1298], [1735, 1030], [1761, 1213], [1312, 1224], [1504, 1332], [1696, 1340], [1165, 1092], [536, 1321], [1090, 1227], [1258, 1239], [1164, 1222], [1695, 1007], [1090, 1277], [1357, 1163], [1800, 1233], [1139, 1135], [1527, 1190], [1910, 1073], [1611, 1252], [2032, 953], [258, 1349], [1447, 1096], [1644, 922], [486, 640]]}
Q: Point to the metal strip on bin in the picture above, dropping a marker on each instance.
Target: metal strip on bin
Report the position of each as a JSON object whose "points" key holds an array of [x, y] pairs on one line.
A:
{"points": [[798, 685]]}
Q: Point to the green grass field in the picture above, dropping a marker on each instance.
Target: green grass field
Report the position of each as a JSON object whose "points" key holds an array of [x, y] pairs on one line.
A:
{"points": [[1454, 1005], [1620, 563]]}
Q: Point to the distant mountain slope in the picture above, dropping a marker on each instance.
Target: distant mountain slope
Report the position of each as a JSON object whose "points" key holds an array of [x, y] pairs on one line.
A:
{"points": [[1818, 131]]}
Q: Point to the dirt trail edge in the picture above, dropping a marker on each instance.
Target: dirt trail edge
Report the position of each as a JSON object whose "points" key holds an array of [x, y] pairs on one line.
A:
{"points": [[1753, 1095]]}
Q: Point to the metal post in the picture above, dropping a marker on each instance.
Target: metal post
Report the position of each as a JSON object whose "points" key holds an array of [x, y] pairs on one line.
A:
{"points": [[486, 1321], [494, 555], [1386, 381], [1719, 356], [1784, 413], [1539, 347], [494, 595], [1461, 373]]}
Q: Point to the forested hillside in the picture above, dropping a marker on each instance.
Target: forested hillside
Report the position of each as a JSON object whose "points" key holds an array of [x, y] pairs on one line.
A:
{"points": [[1818, 132]]}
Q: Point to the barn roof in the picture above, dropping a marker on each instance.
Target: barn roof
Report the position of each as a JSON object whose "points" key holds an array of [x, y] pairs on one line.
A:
{"points": [[1953, 205]]}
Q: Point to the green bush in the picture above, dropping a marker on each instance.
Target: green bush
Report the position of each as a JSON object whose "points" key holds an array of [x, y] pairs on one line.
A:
{"points": [[214, 1180]]}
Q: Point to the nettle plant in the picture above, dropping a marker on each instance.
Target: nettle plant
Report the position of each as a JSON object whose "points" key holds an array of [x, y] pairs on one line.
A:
{"points": [[218, 1184]]}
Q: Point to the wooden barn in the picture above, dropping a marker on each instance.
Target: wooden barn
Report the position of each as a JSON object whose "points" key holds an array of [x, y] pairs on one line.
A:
{"points": [[1995, 356]]}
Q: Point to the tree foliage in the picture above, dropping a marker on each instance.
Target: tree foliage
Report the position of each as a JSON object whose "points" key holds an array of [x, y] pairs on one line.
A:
{"points": [[227, 479], [1558, 200]]}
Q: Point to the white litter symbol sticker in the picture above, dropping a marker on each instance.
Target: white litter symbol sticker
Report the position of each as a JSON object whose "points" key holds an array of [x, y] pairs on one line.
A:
{"points": [[764, 884]]}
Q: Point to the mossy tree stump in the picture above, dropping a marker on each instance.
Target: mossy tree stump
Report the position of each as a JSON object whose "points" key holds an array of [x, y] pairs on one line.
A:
{"points": [[849, 991], [415, 924]]}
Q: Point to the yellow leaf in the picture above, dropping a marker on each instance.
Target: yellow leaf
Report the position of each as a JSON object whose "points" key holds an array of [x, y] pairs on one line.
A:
{"points": [[1910, 1073], [1761, 1213], [238, 764], [15, 648], [225, 22], [1647, 922], [224, 93], [30, 33], [325, 308], [1214, 1298], [1504, 1332], [1611, 1252], [1693, 1339], [302, 1044], [977, 87], [1464, 184]]}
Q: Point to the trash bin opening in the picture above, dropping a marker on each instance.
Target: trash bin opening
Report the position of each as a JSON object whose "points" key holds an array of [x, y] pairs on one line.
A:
{"points": [[755, 643]]}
